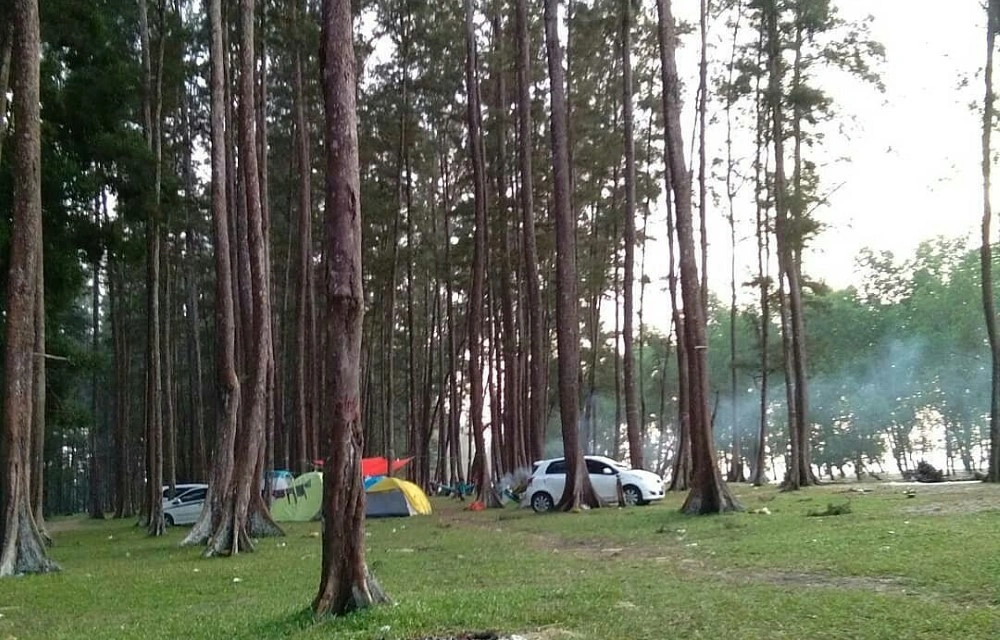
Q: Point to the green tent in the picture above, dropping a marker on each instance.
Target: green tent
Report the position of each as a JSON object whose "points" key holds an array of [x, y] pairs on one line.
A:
{"points": [[302, 501]]}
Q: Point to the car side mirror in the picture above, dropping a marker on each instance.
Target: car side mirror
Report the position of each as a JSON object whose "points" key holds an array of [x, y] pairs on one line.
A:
{"points": [[608, 471], [175, 501]]}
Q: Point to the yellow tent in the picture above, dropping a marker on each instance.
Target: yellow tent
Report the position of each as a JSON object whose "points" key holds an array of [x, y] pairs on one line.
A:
{"points": [[395, 497], [302, 501]]}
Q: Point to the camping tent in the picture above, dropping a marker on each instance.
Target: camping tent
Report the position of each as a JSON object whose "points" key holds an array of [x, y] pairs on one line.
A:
{"points": [[302, 501], [395, 497], [375, 466], [385, 497], [280, 481]]}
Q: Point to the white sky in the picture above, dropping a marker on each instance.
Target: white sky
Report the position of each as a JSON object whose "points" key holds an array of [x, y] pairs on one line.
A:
{"points": [[915, 155], [905, 163]]}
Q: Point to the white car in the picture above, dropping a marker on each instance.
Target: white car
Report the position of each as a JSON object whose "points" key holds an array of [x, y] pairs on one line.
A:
{"points": [[179, 490], [548, 479], [186, 507]]}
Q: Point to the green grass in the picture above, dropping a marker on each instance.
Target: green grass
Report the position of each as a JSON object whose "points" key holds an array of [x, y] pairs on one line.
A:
{"points": [[894, 567]]}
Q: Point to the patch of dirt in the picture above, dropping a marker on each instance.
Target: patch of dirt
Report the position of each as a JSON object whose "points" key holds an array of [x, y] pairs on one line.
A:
{"points": [[882, 584], [811, 580], [953, 507]]}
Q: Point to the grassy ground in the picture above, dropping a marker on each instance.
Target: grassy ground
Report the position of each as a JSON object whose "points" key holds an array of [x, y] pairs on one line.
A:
{"points": [[926, 566]]}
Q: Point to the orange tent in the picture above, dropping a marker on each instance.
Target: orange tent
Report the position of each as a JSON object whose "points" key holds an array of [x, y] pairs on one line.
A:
{"points": [[376, 466]]}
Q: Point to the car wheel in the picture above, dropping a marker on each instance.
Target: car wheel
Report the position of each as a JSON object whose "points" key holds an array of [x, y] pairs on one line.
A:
{"points": [[542, 502], [632, 495], [169, 519]]}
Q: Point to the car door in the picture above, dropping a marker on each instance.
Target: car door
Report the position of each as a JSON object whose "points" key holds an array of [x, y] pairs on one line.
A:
{"points": [[604, 480], [555, 479], [190, 506]]}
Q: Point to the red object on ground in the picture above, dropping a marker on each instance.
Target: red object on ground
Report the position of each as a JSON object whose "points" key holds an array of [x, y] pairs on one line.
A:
{"points": [[477, 506], [376, 466]]}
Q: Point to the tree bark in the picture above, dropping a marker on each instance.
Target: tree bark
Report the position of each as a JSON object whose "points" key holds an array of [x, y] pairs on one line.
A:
{"points": [[94, 507], [794, 240], [153, 507], [244, 514], [797, 474], [475, 317], [736, 471], [513, 412], [167, 350], [300, 375], [631, 399], [758, 475], [986, 251], [411, 362], [617, 286], [578, 490], [702, 167], [228, 383], [680, 471], [22, 549], [199, 456], [709, 493], [454, 398], [346, 584], [265, 457], [124, 503], [38, 401], [537, 387]]}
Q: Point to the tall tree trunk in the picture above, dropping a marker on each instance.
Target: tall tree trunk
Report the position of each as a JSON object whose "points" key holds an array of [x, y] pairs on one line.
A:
{"points": [[124, 504], [702, 166], [475, 317], [578, 490], [709, 493], [617, 285], [680, 472], [794, 239], [265, 457], [22, 549], [346, 584], [758, 475], [537, 363], [227, 381], [300, 373], [199, 454], [454, 398], [167, 351], [38, 401], [661, 418], [513, 412], [596, 293], [154, 392], [94, 507], [986, 252], [411, 368], [244, 514], [643, 412], [786, 270], [631, 399], [736, 472]]}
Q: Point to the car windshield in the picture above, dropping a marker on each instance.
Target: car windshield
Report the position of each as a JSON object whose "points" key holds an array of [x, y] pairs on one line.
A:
{"points": [[619, 465]]}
